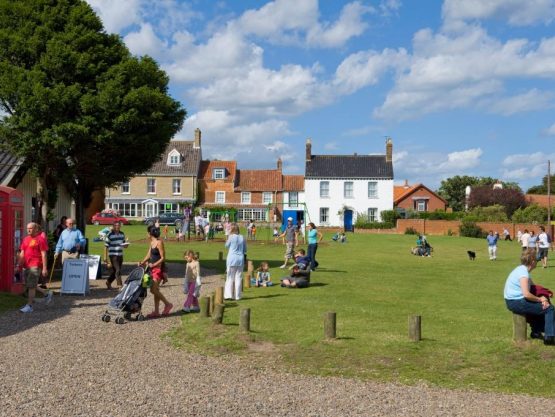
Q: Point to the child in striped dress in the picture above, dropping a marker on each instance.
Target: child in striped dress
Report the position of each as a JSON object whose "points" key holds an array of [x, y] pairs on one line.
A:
{"points": [[191, 284]]}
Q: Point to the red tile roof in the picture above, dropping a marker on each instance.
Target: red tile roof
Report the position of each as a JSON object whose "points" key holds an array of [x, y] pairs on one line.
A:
{"points": [[293, 183], [206, 168], [400, 190], [259, 180]]}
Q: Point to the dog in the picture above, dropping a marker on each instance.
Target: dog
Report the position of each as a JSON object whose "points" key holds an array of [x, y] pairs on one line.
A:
{"points": [[471, 255]]}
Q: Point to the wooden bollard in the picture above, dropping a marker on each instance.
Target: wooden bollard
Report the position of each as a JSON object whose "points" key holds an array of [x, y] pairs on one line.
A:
{"points": [[519, 328], [220, 256], [247, 280], [415, 330], [329, 325], [205, 306], [212, 303], [250, 267], [219, 298], [219, 313], [245, 320]]}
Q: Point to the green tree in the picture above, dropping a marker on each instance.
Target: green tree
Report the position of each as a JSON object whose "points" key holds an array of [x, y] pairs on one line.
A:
{"points": [[531, 214], [453, 190], [80, 109], [542, 189]]}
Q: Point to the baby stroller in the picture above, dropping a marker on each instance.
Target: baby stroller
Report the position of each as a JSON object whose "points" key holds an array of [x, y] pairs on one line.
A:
{"points": [[130, 299]]}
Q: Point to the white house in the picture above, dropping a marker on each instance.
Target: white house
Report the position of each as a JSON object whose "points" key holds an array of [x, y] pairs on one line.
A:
{"points": [[339, 187]]}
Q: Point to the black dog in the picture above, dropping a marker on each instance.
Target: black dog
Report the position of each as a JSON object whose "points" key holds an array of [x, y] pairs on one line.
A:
{"points": [[471, 255]]}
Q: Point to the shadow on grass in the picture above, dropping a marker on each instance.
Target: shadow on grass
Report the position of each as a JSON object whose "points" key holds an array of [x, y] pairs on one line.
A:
{"points": [[263, 296], [317, 284], [330, 270]]}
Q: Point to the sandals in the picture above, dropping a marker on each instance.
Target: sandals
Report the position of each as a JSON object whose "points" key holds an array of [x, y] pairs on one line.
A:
{"points": [[153, 315], [167, 309]]}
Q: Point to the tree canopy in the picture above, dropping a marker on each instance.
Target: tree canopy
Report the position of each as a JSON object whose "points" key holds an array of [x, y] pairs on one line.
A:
{"points": [[542, 189], [485, 195], [80, 109]]}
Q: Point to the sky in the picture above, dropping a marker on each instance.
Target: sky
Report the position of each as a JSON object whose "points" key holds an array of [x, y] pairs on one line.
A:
{"points": [[463, 87]]}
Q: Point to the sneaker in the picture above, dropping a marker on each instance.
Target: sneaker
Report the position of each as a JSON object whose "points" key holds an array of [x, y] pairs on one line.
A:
{"points": [[283, 266], [536, 335], [26, 309], [48, 297], [152, 315]]}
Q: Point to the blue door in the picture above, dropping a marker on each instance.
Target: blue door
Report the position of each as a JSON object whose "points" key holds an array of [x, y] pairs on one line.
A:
{"points": [[348, 220]]}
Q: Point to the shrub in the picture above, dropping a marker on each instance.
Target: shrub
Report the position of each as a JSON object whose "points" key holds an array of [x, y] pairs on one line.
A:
{"points": [[530, 214], [510, 198], [495, 213], [471, 229], [411, 231], [389, 216]]}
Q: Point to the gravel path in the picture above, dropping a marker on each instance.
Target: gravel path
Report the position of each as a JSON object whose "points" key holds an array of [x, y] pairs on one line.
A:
{"points": [[62, 360]]}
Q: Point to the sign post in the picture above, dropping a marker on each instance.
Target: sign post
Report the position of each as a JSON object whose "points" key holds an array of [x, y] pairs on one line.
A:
{"points": [[75, 277], [95, 271]]}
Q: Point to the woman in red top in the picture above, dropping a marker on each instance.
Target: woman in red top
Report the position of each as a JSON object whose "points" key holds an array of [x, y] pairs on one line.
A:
{"points": [[155, 260]]}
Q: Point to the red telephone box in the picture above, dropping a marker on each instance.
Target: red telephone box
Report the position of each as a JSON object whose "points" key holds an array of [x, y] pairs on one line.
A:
{"points": [[11, 235]]}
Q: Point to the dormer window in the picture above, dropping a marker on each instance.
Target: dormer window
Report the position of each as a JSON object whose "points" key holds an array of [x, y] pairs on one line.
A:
{"points": [[218, 173], [174, 158]]}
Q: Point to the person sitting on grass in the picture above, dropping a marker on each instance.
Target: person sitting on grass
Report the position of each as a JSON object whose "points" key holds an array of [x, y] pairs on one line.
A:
{"points": [[424, 248], [520, 300], [302, 260], [297, 279], [263, 278], [339, 237]]}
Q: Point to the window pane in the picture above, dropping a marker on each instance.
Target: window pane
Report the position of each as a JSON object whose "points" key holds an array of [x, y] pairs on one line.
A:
{"points": [[372, 189], [219, 174], [266, 198], [245, 198], [176, 186], [324, 189], [151, 185], [324, 214], [125, 187], [348, 189], [220, 197], [293, 198], [373, 214]]}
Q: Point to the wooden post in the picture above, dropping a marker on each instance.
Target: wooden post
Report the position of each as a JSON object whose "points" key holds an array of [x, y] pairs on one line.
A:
{"points": [[205, 306], [415, 331], [250, 267], [247, 280], [245, 321], [219, 313], [220, 256], [519, 328], [212, 303], [219, 299], [329, 325]]}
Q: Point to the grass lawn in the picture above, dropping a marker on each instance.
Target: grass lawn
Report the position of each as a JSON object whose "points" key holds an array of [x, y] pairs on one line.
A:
{"points": [[374, 284], [10, 301]]}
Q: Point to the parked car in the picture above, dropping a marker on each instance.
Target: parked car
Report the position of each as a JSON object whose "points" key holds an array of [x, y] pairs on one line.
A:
{"points": [[173, 219], [108, 218]]}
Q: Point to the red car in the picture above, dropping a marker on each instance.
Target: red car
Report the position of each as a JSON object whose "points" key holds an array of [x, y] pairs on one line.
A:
{"points": [[108, 218]]}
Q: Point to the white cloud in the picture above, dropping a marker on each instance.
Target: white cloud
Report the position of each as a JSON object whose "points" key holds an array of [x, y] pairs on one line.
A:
{"points": [[464, 68], [550, 131], [399, 156], [526, 166], [331, 146], [293, 21], [529, 101], [277, 146], [118, 15], [516, 12], [462, 160], [145, 42]]}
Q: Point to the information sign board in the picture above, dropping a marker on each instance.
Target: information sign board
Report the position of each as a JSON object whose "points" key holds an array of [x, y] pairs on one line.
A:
{"points": [[94, 265], [75, 277]]}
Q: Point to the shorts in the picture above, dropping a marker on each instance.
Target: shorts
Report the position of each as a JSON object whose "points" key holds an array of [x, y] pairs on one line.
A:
{"points": [[157, 274], [289, 250], [542, 253], [32, 276]]}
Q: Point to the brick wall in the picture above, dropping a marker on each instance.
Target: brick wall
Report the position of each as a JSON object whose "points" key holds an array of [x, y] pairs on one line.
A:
{"points": [[442, 227]]}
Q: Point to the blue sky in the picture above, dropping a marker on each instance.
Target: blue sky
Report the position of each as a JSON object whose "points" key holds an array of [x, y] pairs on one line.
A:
{"points": [[463, 87]]}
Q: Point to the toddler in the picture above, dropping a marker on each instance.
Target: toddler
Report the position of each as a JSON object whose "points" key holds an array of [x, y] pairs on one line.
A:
{"points": [[192, 283], [301, 260], [263, 278]]}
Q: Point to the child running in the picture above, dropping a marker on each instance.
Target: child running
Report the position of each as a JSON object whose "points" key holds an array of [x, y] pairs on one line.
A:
{"points": [[191, 284], [263, 278]]}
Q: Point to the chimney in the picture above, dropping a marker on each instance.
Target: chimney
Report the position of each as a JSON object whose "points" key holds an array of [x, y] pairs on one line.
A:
{"points": [[388, 150], [279, 164], [406, 186], [197, 138], [308, 149]]}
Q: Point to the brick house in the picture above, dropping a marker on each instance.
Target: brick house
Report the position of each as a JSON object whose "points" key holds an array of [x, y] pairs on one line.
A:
{"points": [[417, 197], [339, 187], [168, 184], [256, 194]]}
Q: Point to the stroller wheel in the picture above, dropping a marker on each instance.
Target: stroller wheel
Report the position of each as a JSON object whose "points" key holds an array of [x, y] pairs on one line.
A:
{"points": [[140, 317], [120, 320], [105, 318], [127, 315]]}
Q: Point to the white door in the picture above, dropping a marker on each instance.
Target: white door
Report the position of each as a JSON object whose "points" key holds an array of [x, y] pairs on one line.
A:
{"points": [[150, 209]]}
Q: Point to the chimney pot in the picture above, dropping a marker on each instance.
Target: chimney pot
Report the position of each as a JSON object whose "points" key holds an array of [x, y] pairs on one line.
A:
{"points": [[308, 149], [388, 150], [197, 138], [279, 164]]}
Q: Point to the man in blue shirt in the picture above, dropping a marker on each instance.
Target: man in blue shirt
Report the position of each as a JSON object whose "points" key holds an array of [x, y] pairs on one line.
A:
{"points": [[70, 243], [492, 245]]}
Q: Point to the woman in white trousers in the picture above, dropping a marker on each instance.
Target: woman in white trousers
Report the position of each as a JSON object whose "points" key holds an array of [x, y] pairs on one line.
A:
{"points": [[235, 261]]}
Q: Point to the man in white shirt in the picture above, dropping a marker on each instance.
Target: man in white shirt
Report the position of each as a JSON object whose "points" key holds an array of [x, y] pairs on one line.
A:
{"points": [[543, 246], [524, 239]]}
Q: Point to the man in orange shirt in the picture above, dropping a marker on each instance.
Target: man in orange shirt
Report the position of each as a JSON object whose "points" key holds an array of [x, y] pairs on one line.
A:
{"points": [[33, 258]]}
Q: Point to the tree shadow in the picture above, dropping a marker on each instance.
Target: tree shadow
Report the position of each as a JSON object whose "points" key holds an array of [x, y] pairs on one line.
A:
{"points": [[263, 296]]}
